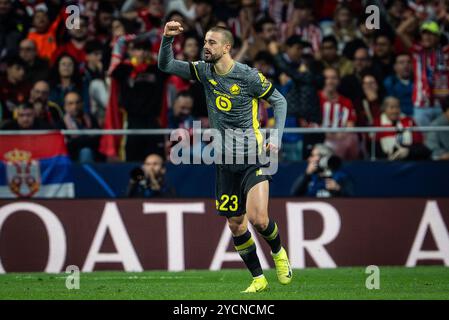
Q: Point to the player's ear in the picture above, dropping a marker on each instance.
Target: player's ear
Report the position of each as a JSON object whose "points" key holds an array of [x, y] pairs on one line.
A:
{"points": [[228, 47]]}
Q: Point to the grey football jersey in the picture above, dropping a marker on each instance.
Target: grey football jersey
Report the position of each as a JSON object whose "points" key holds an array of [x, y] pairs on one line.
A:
{"points": [[232, 98]]}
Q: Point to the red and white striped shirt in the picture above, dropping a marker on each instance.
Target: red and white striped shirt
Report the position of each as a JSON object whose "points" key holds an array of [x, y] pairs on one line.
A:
{"points": [[388, 140], [336, 113], [431, 75]]}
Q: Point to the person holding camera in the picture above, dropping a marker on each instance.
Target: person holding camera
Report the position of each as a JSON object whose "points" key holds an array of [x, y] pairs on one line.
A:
{"points": [[148, 181], [401, 144], [323, 177]]}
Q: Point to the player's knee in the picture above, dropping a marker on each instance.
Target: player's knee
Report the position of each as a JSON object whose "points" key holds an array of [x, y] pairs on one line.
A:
{"points": [[260, 222], [236, 227]]}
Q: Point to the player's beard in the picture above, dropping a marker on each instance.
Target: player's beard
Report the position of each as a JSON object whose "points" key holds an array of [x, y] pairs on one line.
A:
{"points": [[213, 58]]}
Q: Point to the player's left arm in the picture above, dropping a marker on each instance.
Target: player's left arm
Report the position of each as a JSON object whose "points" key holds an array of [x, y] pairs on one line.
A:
{"points": [[279, 104], [262, 88]]}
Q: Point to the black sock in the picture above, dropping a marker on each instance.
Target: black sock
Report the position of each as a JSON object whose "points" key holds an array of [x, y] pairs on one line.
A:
{"points": [[246, 247], [271, 235]]}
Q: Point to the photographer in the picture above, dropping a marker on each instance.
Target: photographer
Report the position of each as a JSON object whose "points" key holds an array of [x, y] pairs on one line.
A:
{"points": [[323, 177], [148, 181]]}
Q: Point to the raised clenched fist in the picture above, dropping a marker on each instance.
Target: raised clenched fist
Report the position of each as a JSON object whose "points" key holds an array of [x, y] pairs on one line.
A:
{"points": [[173, 28]]}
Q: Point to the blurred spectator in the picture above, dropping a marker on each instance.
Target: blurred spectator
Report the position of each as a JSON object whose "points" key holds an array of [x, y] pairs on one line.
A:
{"points": [[368, 107], [185, 7], [36, 68], [75, 46], [11, 29], [344, 27], [395, 10], [95, 88], [13, 89], [402, 144], [180, 116], [149, 181], [175, 84], [351, 85], [438, 142], [180, 40], [302, 80], [400, 84], [46, 111], [190, 47], [331, 58], [264, 62], [302, 24], [337, 112], [141, 83], [204, 17], [120, 27], [82, 148], [44, 33], [431, 67], [243, 24], [64, 77], [266, 32], [103, 22], [383, 55], [367, 34], [26, 120], [149, 12], [181, 112], [323, 177]]}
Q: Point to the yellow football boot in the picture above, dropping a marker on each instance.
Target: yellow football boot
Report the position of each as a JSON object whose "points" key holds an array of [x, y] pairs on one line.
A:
{"points": [[258, 285], [283, 268]]}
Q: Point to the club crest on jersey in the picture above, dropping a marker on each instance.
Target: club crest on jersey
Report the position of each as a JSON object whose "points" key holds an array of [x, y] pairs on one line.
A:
{"points": [[235, 89]]}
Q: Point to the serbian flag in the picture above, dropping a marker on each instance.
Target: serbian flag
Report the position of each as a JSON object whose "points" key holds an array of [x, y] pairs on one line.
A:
{"points": [[35, 166], [110, 145]]}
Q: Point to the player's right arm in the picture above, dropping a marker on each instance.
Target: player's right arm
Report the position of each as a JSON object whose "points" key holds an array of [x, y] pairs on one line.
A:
{"points": [[166, 60]]}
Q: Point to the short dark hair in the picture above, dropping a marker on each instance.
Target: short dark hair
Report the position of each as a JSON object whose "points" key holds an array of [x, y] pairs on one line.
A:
{"points": [[228, 36], [105, 6], [15, 60], [295, 39], [92, 46], [173, 13], [264, 56], [144, 44], [368, 72], [331, 39], [258, 25], [203, 2], [190, 35], [384, 34], [303, 4], [25, 106], [185, 94]]}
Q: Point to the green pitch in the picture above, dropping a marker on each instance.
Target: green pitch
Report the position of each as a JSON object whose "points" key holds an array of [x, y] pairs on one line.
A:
{"points": [[342, 283]]}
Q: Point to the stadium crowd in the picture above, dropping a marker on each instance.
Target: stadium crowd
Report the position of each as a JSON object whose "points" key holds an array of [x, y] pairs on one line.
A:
{"points": [[333, 69]]}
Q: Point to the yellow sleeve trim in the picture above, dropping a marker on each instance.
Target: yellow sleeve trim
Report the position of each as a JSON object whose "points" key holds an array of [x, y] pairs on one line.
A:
{"points": [[266, 91], [196, 73]]}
